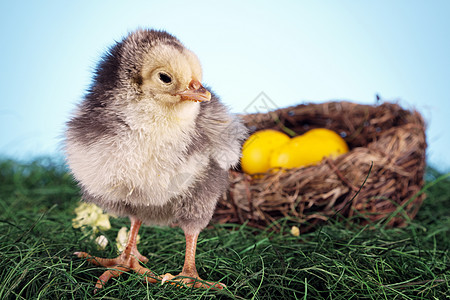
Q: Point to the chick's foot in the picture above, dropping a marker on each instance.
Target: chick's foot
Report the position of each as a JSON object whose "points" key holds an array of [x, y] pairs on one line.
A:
{"points": [[128, 260], [189, 275], [191, 280], [116, 266]]}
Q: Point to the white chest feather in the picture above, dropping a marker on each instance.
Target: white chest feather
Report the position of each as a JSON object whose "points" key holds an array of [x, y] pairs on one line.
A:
{"points": [[145, 165]]}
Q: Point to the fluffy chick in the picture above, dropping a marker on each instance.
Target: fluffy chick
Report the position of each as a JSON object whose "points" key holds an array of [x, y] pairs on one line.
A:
{"points": [[149, 142]]}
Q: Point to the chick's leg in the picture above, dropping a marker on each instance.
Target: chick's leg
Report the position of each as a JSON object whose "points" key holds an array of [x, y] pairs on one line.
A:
{"points": [[128, 260], [189, 275]]}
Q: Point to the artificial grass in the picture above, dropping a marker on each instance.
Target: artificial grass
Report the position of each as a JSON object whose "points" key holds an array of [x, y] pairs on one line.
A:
{"points": [[339, 260]]}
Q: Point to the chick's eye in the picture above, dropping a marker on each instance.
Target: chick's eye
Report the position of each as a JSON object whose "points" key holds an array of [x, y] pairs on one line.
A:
{"points": [[165, 78]]}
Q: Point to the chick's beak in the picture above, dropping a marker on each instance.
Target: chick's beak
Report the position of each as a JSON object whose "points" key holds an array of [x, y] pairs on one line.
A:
{"points": [[195, 92]]}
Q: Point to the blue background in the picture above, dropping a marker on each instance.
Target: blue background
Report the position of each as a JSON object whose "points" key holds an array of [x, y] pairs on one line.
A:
{"points": [[293, 51]]}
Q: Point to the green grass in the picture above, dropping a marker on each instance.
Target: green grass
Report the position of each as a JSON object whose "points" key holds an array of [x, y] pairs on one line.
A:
{"points": [[337, 261]]}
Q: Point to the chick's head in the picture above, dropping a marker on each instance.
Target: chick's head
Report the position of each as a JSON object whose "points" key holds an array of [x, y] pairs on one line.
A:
{"points": [[159, 68]]}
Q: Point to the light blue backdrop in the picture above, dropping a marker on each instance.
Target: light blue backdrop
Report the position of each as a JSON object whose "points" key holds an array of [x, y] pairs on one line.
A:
{"points": [[294, 51]]}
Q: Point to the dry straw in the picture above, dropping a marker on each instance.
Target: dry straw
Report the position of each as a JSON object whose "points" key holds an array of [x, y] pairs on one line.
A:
{"points": [[387, 152]]}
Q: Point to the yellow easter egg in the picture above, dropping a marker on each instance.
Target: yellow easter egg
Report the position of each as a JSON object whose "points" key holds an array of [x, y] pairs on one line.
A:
{"points": [[258, 148], [325, 133], [308, 149]]}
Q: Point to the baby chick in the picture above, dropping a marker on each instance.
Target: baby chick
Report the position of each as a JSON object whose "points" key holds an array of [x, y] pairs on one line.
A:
{"points": [[149, 142]]}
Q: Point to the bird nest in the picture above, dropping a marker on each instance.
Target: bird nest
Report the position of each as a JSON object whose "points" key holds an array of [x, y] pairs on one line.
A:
{"points": [[379, 179]]}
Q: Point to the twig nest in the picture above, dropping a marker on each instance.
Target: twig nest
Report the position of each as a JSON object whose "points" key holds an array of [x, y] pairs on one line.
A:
{"points": [[385, 139]]}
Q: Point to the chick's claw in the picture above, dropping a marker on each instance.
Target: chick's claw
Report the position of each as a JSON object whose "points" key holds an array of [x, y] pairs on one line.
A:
{"points": [[98, 261], [107, 275], [191, 281], [123, 263]]}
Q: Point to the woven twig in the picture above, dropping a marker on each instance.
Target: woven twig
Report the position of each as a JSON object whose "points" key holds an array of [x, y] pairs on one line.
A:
{"points": [[387, 136]]}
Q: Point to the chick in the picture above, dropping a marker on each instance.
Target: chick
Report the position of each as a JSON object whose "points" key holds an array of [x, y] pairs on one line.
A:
{"points": [[149, 142]]}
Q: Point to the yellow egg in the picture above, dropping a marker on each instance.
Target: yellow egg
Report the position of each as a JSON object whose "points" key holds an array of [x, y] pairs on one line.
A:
{"points": [[336, 148], [327, 134], [257, 150], [308, 149]]}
